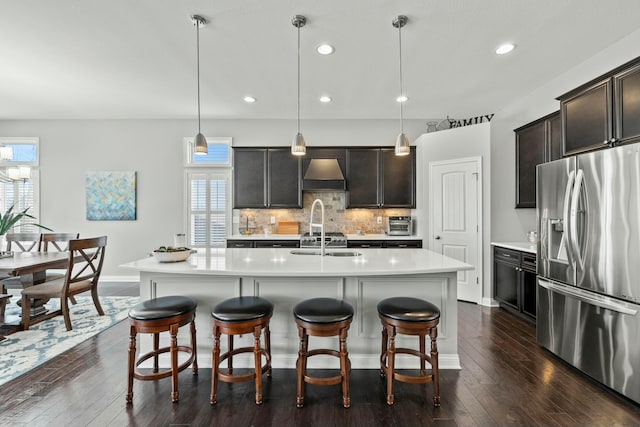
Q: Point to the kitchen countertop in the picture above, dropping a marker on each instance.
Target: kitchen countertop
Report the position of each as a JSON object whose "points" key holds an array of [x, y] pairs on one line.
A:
{"points": [[273, 236], [518, 246], [277, 262]]}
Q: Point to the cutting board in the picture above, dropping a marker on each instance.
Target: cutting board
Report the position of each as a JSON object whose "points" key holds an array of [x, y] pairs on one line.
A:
{"points": [[288, 227]]}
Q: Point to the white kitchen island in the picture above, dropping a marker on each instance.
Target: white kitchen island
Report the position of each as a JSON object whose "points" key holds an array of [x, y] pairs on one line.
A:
{"points": [[285, 279]]}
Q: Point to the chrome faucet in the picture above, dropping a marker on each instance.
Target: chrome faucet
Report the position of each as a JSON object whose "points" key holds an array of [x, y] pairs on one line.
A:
{"points": [[321, 224]]}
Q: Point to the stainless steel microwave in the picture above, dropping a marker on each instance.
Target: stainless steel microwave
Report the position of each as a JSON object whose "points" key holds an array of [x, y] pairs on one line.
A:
{"points": [[399, 226]]}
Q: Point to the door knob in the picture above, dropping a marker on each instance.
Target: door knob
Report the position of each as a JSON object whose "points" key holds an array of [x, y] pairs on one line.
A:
{"points": [[437, 237]]}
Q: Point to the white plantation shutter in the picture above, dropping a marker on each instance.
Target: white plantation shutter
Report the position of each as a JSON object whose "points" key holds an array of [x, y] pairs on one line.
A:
{"points": [[208, 208], [20, 194]]}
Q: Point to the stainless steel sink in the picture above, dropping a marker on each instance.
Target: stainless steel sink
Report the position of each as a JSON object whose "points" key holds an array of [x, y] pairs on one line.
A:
{"points": [[327, 253]]}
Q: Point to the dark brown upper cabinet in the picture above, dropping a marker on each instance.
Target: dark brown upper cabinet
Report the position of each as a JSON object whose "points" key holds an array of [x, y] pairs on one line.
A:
{"points": [[377, 178], [266, 178], [603, 112], [536, 142]]}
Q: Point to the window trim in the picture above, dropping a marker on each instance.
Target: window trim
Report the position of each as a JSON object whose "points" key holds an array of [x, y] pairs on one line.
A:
{"points": [[188, 152], [21, 140]]}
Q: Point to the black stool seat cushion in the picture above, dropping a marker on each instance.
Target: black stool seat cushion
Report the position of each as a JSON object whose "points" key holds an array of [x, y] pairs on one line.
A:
{"points": [[241, 309], [162, 308], [408, 309], [323, 310]]}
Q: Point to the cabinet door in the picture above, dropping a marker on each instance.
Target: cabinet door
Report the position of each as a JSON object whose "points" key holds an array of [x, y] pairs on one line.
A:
{"points": [[249, 178], [627, 105], [530, 149], [586, 119], [554, 138], [284, 184], [362, 178], [528, 290], [505, 283], [398, 179]]}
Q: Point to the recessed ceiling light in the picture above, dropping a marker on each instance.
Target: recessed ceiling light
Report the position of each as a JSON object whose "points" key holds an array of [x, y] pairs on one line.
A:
{"points": [[505, 48], [325, 49], [249, 99], [401, 98], [325, 99]]}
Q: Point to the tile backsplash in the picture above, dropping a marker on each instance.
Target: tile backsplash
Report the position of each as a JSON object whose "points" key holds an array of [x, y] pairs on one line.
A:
{"points": [[336, 217]]}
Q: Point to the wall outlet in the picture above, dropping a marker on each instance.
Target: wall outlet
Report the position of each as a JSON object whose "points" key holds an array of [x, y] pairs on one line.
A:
{"points": [[273, 220], [379, 220]]}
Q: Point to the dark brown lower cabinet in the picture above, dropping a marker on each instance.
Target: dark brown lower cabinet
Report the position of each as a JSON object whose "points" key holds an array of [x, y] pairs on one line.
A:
{"points": [[514, 281], [409, 243]]}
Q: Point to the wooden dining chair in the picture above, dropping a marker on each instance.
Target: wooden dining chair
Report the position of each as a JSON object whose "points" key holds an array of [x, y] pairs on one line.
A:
{"points": [[23, 242], [57, 242], [86, 257]]}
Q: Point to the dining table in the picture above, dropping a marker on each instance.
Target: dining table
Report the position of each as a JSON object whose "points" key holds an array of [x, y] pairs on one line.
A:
{"points": [[35, 266]]}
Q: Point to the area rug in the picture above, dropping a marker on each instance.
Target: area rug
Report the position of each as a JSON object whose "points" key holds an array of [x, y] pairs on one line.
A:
{"points": [[23, 351]]}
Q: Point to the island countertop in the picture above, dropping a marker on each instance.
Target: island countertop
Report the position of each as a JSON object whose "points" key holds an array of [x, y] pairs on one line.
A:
{"points": [[275, 262], [285, 279]]}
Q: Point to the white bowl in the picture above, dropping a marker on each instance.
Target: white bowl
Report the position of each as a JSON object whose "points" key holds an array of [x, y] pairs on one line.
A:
{"points": [[173, 256]]}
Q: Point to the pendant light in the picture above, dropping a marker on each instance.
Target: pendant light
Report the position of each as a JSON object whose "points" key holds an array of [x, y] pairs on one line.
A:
{"points": [[403, 146], [200, 145], [298, 145]]}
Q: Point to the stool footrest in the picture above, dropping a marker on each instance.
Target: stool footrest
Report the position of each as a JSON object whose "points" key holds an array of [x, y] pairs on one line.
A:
{"points": [[166, 373], [323, 381]]}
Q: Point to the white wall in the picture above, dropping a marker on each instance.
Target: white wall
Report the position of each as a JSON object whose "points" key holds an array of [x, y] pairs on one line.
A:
{"points": [[457, 143], [153, 148], [508, 223]]}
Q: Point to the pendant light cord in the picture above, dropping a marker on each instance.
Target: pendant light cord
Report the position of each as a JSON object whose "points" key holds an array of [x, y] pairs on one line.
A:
{"points": [[198, 66], [298, 78], [401, 91]]}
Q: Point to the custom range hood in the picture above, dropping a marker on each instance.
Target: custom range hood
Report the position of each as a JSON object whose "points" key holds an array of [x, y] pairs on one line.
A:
{"points": [[323, 175]]}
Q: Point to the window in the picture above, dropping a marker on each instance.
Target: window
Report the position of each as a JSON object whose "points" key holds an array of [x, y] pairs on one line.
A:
{"points": [[208, 210], [20, 190]]}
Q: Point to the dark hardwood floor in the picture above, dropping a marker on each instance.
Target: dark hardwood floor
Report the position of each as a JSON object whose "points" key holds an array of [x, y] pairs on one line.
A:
{"points": [[506, 380]]}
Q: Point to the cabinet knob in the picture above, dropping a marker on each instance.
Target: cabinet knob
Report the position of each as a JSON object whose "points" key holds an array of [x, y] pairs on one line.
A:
{"points": [[437, 237], [613, 140], [605, 142]]}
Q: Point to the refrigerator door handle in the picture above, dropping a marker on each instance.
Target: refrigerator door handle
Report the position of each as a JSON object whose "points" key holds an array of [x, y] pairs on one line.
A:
{"points": [[602, 302], [573, 218], [566, 240]]}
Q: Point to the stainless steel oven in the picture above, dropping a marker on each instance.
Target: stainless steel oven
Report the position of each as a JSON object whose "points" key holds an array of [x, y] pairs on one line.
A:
{"points": [[331, 239], [399, 226]]}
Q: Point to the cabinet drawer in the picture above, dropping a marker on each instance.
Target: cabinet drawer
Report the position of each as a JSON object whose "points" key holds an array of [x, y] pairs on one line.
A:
{"points": [[365, 244], [529, 262], [403, 244], [507, 255], [277, 244], [240, 244]]}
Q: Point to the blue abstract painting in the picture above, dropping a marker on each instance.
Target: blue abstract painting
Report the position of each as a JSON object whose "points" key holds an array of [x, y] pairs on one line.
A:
{"points": [[111, 196]]}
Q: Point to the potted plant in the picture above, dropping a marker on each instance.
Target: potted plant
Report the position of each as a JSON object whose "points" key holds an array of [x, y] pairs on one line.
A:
{"points": [[10, 219]]}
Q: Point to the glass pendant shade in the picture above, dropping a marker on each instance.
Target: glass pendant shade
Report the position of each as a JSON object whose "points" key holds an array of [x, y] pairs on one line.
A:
{"points": [[403, 147], [200, 145], [298, 146]]}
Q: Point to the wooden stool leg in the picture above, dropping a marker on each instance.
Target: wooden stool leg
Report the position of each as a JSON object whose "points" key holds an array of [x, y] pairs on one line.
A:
{"points": [[344, 368], [435, 372], [194, 366], [132, 362], [230, 359], [258, 363], [301, 365], [216, 362], [267, 345], [423, 347], [174, 363], [391, 363], [383, 350], [156, 346]]}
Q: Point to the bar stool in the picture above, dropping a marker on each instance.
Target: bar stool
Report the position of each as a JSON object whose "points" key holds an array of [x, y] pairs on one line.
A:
{"points": [[409, 316], [323, 317], [235, 316], [161, 315]]}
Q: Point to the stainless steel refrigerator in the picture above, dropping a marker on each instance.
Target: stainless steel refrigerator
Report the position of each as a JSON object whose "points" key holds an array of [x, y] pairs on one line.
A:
{"points": [[588, 293]]}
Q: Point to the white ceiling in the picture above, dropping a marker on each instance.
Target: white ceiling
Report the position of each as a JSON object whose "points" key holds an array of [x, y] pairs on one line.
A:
{"points": [[137, 58]]}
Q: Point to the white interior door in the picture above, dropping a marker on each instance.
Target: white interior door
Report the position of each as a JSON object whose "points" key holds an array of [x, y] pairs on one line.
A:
{"points": [[455, 201]]}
